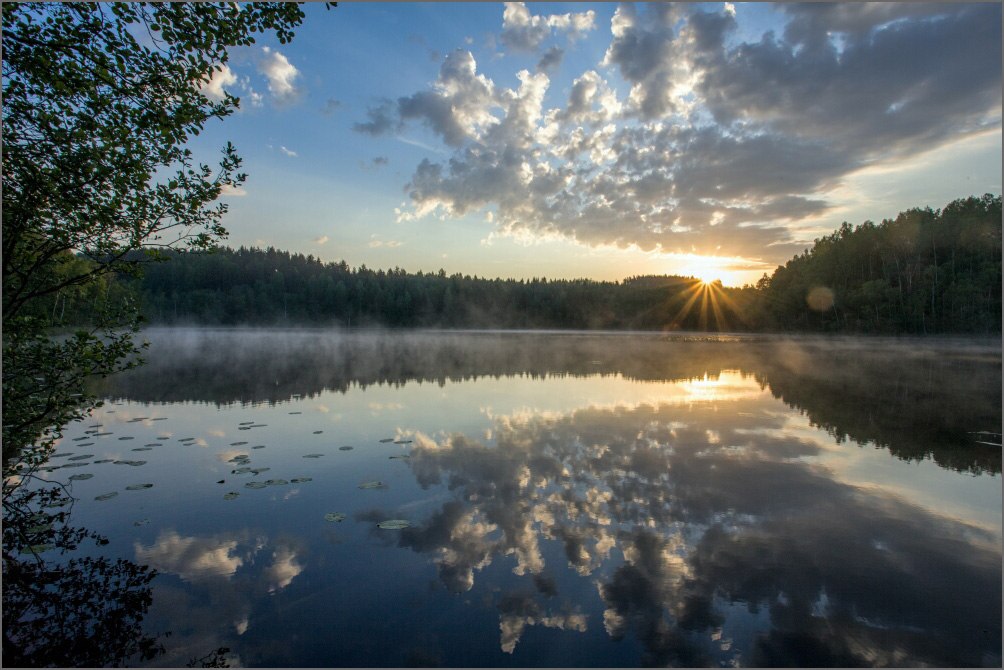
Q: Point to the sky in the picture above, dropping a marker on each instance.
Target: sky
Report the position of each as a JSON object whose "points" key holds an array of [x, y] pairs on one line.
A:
{"points": [[568, 140]]}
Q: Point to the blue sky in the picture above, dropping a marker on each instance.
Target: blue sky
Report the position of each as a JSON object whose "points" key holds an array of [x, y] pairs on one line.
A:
{"points": [[601, 140]]}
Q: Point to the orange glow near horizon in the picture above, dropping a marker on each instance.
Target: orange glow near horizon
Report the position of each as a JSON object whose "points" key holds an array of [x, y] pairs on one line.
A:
{"points": [[709, 269]]}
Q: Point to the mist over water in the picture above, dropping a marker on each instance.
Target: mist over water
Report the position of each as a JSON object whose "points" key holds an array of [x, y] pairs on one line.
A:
{"points": [[573, 499]]}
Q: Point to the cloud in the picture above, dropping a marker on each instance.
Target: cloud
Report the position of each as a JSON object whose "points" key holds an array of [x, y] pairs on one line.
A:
{"points": [[523, 31], [551, 60], [382, 120], [221, 77], [717, 145], [288, 152], [231, 190], [458, 106], [281, 75], [323, 239], [390, 244], [331, 105]]}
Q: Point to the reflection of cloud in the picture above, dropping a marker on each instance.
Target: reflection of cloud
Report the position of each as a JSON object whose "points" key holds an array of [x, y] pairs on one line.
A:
{"points": [[283, 570], [191, 558], [225, 456], [516, 612], [737, 512]]}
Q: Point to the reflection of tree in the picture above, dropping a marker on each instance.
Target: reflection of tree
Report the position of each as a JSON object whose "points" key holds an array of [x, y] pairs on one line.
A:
{"points": [[917, 399], [919, 404], [80, 611], [711, 506]]}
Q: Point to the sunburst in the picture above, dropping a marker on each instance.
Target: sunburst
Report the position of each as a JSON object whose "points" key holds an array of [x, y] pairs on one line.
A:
{"points": [[708, 297]]}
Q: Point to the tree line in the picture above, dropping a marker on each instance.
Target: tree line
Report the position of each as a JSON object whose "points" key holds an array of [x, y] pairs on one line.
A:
{"points": [[924, 272]]}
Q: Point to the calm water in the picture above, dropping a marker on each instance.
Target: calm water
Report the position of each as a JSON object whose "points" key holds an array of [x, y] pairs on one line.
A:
{"points": [[571, 499]]}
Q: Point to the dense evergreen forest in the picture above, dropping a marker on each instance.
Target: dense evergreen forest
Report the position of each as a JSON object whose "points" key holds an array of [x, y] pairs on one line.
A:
{"points": [[926, 271]]}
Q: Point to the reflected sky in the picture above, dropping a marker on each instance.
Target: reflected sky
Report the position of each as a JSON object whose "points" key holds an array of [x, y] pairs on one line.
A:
{"points": [[572, 500]]}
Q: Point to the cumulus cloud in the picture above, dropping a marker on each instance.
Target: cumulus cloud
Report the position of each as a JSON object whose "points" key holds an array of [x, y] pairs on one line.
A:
{"points": [[525, 32], [551, 60], [323, 239], [288, 152], [281, 75], [458, 106], [381, 119], [715, 145], [213, 89]]}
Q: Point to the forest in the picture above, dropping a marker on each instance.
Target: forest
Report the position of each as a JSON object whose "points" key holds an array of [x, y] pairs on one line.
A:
{"points": [[924, 272]]}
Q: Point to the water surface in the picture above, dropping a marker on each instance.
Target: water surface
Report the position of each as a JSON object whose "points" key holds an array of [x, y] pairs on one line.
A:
{"points": [[570, 499]]}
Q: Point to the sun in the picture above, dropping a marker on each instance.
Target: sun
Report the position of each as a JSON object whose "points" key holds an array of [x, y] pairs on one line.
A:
{"points": [[706, 269], [707, 277]]}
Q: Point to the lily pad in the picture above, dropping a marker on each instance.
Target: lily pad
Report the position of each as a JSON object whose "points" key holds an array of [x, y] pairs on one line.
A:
{"points": [[142, 449], [75, 465], [403, 441], [334, 516], [255, 485], [318, 432], [345, 448], [296, 412], [80, 439], [258, 471], [159, 418], [231, 495], [237, 444], [153, 444], [102, 434], [62, 455], [394, 524], [312, 455], [127, 437], [243, 427], [132, 463], [386, 440], [275, 482], [106, 496], [399, 456], [138, 487], [80, 477], [240, 471], [105, 460], [81, 457], [258, 446], [163, 437], [245, 423], [373, 485], [238, 458], [300, 480], [141, 522], [258, 425], [85, 444]]}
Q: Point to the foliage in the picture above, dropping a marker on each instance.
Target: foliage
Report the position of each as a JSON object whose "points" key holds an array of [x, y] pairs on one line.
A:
{"points": [[99, 102], [926, 271], [268, 287]]}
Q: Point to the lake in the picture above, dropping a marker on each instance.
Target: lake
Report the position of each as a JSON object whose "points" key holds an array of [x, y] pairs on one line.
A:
{"points": [[553, 499]]}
